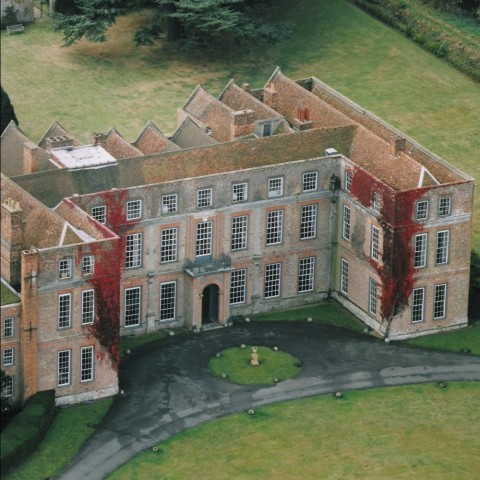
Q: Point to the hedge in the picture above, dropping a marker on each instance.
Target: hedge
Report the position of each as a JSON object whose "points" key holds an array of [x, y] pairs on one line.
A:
{"points": [[428, 31], [25, 432]]}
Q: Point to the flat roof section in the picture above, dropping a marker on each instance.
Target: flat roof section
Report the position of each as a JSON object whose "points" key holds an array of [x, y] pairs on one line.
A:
{"points": [[88, 156]]}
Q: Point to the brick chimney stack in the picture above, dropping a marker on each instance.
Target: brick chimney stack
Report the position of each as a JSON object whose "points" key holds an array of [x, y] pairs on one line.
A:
{"points": [[61, 141], [12, 240], [30, 157], [29, 327], [243, 123], [397, 144], [99, 138], [270, 96]]}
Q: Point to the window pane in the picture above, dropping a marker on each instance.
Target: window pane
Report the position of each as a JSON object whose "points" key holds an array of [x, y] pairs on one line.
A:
{"points": [[422, 210], [309, 181], [100, 214], [86, 364], [308, 226], [442, 247], [440, 301], [169, 241], [204, 239], [88, 307], [344, 277], [237, 286], [306, 274], [167, 300], [65, 268], [346, 223], [132, 306], [134, 209], [275, 187], [88, 264], [372, 297], [420, 251], [64, 310], [274, 227], [444, 207], [133, 250], [8, 328], [239, 192], [272, 280], [374, 242], [63, 366], [204, 198], [169, 203], [418, 304], [239, 232]]}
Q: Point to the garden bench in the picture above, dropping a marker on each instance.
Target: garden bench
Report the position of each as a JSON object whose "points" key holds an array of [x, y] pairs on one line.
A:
{"points": [[19, 28]]}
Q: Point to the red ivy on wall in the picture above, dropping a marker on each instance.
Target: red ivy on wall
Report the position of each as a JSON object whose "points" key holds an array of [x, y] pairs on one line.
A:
{"points": [[109, 263], [397, 220]]}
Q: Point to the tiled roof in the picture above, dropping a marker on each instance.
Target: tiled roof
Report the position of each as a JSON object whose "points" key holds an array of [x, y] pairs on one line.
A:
{"points": [[12, 141], [118, 147], [56, 130], [238, 99], [211, 112], [152, 140], [42, 227], [189, 135]]}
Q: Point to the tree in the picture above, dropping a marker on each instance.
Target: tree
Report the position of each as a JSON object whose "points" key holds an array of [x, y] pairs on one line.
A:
{"points": [[474, 294], [7, 111], [194, 23]]}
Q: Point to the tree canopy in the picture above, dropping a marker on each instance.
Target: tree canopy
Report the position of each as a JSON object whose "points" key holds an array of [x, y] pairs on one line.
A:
{"points": [[194, 23], [7, 111]]}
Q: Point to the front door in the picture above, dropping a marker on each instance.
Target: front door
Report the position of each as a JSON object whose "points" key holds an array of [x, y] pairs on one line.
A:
{"points": [[210, 304]]}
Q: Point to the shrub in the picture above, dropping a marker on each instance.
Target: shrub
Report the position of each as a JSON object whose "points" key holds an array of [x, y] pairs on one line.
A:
{"points": [[9, 17], [24, 433]]}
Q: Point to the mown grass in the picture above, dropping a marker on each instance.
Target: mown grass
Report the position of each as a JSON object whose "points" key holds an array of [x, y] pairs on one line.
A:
{"points": [[419, 431], [326, 312], [67, 434], [455, 341], [90, 87], [235, 363], [7, 296]]}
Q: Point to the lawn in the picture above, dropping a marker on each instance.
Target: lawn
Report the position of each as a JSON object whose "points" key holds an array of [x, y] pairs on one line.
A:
{"points": [[68, 432], [90, 87], [420, 431]]}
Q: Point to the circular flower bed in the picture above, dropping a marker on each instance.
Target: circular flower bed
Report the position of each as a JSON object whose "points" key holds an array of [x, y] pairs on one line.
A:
{"points": [[234, 365]]}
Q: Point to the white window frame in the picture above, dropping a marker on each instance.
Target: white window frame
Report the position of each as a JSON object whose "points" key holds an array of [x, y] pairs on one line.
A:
{"points": [[134, 209], [99, 213], [239, 192], [308, 222], [344, 276], [132, 318], [88, 306], [203, 239], [88, 265], [238, 284], [346, 223], [440, 301], [8, 327], [275, 187], [421, 210], [133, 250], [420, 248], [64, 366], [168, 301], [274, 234], [9, 389], [306, 274], [8, 356], [65, 268], [310, 181], [272, 280], [444, 206], [64, 310], [372, 296], [443, 247], [204, 198], [169, 203], [87, 364], [169, 245], [347, 181], [375, 243], [239, 234], [418, 305]]}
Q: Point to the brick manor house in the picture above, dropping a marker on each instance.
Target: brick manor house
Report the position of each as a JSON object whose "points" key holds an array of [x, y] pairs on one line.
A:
{"points": [[260, 200]]}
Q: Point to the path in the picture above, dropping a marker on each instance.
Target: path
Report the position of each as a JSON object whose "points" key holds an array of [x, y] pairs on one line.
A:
{"points": [[168, 388]]}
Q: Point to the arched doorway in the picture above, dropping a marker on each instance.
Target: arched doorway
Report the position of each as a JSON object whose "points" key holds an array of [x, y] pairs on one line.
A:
{"points": [[210, 304]]}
